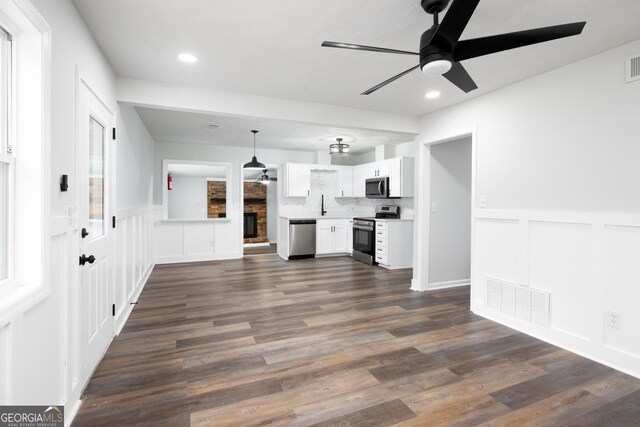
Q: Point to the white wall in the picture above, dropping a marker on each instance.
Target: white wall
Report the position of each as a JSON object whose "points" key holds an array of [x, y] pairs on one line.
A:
{"points": [[31, 375], [135, 160], [450, 224], [548, 147], [188, 199], [272, 211], [566, 140]]}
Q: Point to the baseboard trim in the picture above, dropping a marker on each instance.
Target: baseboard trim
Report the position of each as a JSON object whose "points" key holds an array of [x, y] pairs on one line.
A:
{"points": [[70, 414], [480, 311], [180, 259], [449, 284], [125, 316]]}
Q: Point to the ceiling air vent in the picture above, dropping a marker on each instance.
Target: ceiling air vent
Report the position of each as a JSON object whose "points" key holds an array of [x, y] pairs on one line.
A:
{"points": [[633, 68]]}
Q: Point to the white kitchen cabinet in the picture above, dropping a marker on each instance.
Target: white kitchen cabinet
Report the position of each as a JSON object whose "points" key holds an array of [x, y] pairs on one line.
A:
{"points": [[401, 177], [394, 243], [382, 168], [359, 176], [324, 237], [298, 180], [345, 181], [331, 236]]}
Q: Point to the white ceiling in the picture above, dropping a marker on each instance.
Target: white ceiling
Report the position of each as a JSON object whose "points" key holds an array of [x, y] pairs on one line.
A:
{"points": [[187, 127], [272, 47]]}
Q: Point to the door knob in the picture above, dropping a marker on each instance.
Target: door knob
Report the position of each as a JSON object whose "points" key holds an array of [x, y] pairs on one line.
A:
{"points": [[84, 233], [87, 259]]}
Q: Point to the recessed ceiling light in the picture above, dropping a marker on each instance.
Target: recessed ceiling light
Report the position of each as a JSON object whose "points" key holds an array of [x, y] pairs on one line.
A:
{"points": [[432, 95], [188, 58]]}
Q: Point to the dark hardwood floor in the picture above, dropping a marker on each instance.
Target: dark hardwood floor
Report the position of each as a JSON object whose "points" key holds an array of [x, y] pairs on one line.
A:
{"points": [[332, 342], [259, 250]]}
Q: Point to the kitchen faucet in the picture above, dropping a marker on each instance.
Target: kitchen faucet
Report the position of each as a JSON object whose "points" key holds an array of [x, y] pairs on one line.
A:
{"points": [[322, 206]]}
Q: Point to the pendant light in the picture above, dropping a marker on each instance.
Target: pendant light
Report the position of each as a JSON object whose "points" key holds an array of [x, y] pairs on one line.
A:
{"points": [[339, 149], [254, 163]]}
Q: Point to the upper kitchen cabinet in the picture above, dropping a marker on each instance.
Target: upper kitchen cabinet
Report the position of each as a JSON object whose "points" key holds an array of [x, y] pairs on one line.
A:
{"points": [[401, 178], [399, 170], [345, 182], [360, 174], [298, 180]]}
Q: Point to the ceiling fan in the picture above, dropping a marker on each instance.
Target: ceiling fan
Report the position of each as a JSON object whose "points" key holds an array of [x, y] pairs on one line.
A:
{"points": [[265, 179], [441, 49]]}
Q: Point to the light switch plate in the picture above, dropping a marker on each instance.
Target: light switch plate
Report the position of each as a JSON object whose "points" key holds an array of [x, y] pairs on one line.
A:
{"points": [[482, 201], [434, 207]]}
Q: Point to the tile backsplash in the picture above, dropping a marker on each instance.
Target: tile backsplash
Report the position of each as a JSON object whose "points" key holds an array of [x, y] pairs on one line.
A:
{"points": [[326, 182]]}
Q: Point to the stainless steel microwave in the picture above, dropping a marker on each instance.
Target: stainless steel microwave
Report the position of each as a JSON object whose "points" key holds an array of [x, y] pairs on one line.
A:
{"points": [[377, 188]]}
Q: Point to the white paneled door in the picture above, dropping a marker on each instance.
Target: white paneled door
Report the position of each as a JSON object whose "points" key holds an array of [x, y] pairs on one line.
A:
{"points": [[95, 156]]}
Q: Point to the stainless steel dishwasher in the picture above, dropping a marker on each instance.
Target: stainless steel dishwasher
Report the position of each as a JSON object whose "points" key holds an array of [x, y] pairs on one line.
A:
{"points": [[302, 238]]}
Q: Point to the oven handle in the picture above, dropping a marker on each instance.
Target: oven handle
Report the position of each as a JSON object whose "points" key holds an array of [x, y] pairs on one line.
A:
{"points": [[361, 227]]}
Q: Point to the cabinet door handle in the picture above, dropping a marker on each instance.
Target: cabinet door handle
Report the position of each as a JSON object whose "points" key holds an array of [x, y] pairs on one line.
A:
{"points": [[308, 192]]}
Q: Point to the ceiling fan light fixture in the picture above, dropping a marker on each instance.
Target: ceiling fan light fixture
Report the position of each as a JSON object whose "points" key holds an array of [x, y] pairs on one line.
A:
{"points": [[254, 163], [437, 67], [264, 179], [339, 149]]}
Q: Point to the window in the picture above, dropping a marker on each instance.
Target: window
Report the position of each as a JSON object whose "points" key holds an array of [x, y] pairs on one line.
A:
{"points": [[6, 156], [25, 170]]}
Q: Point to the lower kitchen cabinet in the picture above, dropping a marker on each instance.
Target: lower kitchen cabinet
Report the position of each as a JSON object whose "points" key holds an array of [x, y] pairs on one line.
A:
{"points": [[394, 243], [332, 236]]}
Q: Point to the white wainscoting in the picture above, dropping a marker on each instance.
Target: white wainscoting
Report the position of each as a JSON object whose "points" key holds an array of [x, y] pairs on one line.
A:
{"points": [[52, 325], [134, 260], [131, 269], [588, 262], [191, 241]]}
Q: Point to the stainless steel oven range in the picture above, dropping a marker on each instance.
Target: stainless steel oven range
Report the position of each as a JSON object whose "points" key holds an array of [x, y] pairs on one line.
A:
{"points": [[364, 233], [364, 249]]}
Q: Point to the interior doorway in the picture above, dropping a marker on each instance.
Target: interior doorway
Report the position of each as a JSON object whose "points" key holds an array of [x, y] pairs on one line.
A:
{"points": [[450, 213], [260, 210]]}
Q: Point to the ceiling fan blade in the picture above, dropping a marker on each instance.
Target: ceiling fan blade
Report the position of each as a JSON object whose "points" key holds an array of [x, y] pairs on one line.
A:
{"points": [[467, 49], [454, 23], [365, 48], [392, 79], [458, 76]]}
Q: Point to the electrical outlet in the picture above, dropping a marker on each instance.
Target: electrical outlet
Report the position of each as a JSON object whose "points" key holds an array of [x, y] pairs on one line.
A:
{"points": [[482, 201], [613, 320], [434, 207]]}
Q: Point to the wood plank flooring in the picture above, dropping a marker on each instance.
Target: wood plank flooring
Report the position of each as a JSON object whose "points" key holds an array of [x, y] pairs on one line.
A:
{"points": [[332, 342], [259, 250]]}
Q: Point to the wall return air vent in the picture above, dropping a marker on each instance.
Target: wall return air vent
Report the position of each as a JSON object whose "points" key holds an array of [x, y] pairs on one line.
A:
{"points": [[519, 302], [633, 68]]}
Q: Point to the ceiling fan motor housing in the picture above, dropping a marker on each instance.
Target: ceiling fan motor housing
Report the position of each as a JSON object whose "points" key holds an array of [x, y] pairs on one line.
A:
{"points": [[429, 51], [434, 6]]}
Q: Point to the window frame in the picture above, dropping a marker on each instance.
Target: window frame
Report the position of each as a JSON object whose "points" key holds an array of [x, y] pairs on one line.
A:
{"points": [[7, 153], [29, 280]]}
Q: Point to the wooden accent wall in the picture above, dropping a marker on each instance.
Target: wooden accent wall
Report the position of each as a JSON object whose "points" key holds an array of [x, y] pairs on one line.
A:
{"points": [[255, 200]]}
